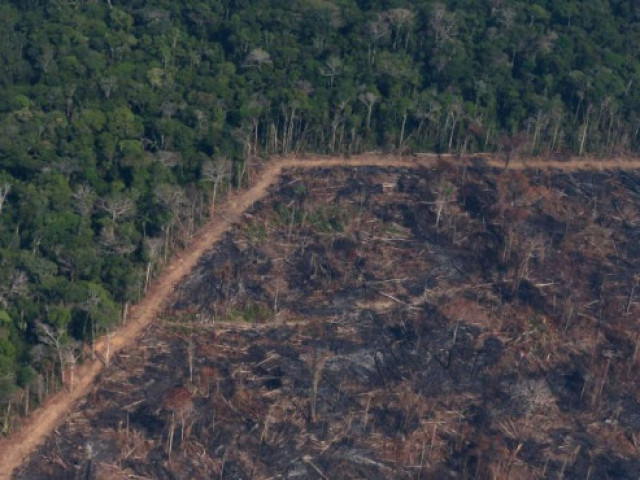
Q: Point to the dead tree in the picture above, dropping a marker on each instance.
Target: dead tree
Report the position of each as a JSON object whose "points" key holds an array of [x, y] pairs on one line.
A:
{"points": [[445, 194], [369, 99], [178, 404], [333, 65], [153, 248], [215, 172], [83, 200], [443, 24], [376, 31], [318, 367], [4, 192], [401, 20], [118, 207], [58, 340], [257, 57], [636, 280]]}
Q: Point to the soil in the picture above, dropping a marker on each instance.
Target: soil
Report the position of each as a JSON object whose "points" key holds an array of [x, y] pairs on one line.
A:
{"points": [[338, 316]]}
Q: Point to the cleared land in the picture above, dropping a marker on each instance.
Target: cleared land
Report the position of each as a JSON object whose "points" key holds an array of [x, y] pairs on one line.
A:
{"points": [[387, 322], [280, 308]]}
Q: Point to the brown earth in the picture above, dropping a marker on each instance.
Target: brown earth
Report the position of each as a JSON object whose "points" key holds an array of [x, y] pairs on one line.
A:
{"points": [[15, 448]]}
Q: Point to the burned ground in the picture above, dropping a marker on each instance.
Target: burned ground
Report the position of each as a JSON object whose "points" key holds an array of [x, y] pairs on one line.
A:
{"points": [[388, 323]]}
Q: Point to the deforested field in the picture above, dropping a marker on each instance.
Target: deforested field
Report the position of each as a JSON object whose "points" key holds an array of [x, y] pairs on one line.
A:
{"points": [[444, 322]]}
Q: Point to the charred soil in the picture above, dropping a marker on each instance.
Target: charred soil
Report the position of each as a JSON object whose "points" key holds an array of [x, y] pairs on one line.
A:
{"points": [[374, 322]]}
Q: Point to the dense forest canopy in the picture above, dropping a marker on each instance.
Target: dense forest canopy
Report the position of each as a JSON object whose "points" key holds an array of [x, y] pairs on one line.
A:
{"points": [[119, 119]]}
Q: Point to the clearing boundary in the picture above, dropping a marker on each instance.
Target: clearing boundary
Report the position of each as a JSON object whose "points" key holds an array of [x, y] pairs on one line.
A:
{"points": [[36, 427]]}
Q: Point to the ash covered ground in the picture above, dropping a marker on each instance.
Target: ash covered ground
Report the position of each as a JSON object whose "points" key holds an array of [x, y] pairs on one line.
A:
{"points": [[388, 323]]}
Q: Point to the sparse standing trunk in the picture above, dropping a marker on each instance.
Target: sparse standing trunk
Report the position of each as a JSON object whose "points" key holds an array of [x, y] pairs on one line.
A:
{"points": [[487, 138], [334, 129], [147, 276], [636, 279], [241, 176], [556, 129], [26, 400], [93, 340], [285, 133], [190, 354], [274, 137], [213, 197], [6, 427], [125, 312], [536, 132], [72, 370], [404, 122], [366, 415], [453, 129], [291, 128], [167, 233], [441, 203], [353, 140], [61, 360], [602, 383], [107, 357], [172, 428], [256, 123], [4, 191], [585, 129], [317, 376]]}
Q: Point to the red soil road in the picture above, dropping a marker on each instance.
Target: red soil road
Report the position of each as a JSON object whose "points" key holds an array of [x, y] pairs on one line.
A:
{"points": [[15, 448]]}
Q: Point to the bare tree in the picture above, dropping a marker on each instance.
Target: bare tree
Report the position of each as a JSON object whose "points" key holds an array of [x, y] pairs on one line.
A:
{"points": [[169, 158], [88, 307], [107, 353], [376, 30], [585, 129], [401, 19], [443, 24], [257, 57], [333, 64], [191, 350], [445, 194], [83, 200], [114, 243], [108, 85], [4, 192], [319, 364], [636, 280], [456, 110], [118, 206], [153, 247], [19, 283], [427, 110], [19, 286], [67, 166], [369, 99], [338, 117], [59, 341], [175, 200], [173, 197], [214, 172], [178, 403], [71, 359]]}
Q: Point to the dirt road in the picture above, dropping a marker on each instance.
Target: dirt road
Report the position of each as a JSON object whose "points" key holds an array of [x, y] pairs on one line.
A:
{"points": [[15, 448]]}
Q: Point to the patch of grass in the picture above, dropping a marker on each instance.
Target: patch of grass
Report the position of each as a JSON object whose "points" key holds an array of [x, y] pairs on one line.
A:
{"points": [[328, 219], [393, 229], [257, 232], [251, 313], [286, 214]]}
